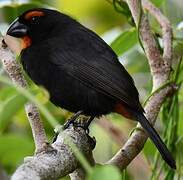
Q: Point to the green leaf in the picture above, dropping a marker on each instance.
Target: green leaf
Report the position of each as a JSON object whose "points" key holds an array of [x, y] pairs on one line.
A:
{"points": [[105, 173], [9, 13], [158, 3], [125, 41], [14, 148], [45, 1], [122, 7], [7, 92], [29, 95], [9, 109]]}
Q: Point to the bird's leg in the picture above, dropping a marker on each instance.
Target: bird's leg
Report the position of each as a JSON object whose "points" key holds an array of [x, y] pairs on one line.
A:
{"points": [[88, 123], [83, 124], [67, 124], [72, 119], [90, 120]]}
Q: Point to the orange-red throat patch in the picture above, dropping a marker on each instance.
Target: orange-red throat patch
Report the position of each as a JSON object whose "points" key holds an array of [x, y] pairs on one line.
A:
{"points": [[17, 44], [31, 14], [26, 42]]}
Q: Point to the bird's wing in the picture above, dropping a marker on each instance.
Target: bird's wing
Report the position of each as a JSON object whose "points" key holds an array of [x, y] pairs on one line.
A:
{"points": [[94, 64]]}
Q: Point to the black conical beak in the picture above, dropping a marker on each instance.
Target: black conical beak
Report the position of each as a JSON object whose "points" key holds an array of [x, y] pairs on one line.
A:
{"points": [[17, 29]]}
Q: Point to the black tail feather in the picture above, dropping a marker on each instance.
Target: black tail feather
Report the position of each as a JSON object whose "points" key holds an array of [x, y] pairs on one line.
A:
{"points": [[165, 153]]}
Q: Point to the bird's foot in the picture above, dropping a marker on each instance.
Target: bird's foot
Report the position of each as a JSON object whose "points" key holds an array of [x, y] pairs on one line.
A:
{"points": [[84, 124], [57, 130], [72, 120], [76, 122]]}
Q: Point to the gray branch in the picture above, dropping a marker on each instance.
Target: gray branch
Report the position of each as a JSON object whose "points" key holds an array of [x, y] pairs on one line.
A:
{"points": [[59, 161]]}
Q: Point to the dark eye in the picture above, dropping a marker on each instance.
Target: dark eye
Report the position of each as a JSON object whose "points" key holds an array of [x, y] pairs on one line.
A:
{"points": [[35, 19]]}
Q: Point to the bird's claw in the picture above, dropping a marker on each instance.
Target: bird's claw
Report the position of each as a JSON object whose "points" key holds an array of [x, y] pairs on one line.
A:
{"points": [[72, 119], [68, 123], [76, 123], [83, 126]]}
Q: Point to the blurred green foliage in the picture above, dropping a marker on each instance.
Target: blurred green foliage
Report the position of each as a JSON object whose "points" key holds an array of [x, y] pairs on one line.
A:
{"points": [[13, 149], [105, 172], [111, 19], [129, 38]]}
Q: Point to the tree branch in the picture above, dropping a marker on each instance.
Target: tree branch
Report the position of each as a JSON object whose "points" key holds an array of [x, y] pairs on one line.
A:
{"points": [[160, 69], [59, 161]]}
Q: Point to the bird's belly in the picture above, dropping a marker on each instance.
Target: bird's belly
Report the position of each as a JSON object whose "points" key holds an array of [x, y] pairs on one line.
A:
{"points": [[69, 93], [66, 91], [75, 96]]}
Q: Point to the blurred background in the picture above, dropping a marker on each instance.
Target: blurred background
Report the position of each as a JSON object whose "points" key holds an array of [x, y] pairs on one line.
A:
{"points": [[112, 21]]}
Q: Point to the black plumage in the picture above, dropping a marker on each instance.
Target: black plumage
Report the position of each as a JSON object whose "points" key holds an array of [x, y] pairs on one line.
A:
{"points": [[80, 71]]}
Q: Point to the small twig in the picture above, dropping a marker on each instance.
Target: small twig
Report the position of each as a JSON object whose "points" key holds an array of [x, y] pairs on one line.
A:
{"points": [[14, 71]]}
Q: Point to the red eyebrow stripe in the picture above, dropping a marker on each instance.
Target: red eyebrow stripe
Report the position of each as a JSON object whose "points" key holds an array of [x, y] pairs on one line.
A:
{"points": [[31, 14]]}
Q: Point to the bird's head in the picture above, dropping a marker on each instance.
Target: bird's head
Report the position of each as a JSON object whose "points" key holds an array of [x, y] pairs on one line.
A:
{"points": [[33, 26]]}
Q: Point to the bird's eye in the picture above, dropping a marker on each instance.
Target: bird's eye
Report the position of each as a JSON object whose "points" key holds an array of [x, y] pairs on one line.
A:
{"points": [[35, 19]]}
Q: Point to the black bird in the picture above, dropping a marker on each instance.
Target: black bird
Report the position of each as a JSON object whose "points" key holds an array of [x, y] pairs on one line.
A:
{"points": [[80, 71]]}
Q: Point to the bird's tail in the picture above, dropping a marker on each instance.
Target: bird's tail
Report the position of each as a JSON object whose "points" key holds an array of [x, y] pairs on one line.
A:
{"points": [[162, 148]]}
